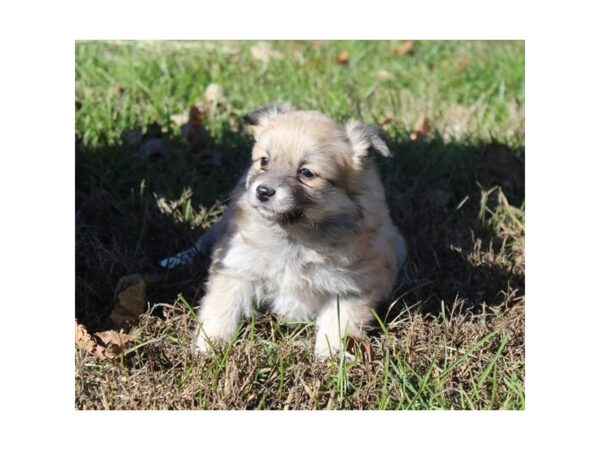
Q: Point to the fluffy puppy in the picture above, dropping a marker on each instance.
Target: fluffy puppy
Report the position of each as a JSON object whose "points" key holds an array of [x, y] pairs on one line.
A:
{"points": [[307, 234]]}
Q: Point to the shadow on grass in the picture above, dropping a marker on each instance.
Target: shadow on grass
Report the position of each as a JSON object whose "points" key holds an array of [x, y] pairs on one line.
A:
{"points": [[434, 192]]}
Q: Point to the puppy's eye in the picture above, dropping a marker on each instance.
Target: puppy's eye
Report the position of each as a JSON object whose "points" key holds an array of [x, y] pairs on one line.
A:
{"points": [[264, 162], [306, 173]]}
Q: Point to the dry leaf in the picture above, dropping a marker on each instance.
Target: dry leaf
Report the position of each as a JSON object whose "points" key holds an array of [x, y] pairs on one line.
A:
{"points": [[192, 123], [355, 345], [104, 344], [405, 48], [83, 339], [131, 300], [456, 121], [421, 127], [214, 100], [264, 52], [180, 119], [385, 118], [196, 115], [194, 132], [214, 94], [114, 341], [343, 57], [499, 161]]}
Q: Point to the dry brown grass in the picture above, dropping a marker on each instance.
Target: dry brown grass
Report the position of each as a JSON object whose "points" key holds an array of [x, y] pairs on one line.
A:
{"points": [[275, 369]]}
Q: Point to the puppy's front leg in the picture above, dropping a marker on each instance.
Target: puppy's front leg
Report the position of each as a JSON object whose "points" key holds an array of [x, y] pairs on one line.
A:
{"points": [[334, 322], [227, 300]]}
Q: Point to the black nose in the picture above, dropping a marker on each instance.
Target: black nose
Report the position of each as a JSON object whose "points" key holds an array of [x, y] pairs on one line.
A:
{"points": [[264, 192]]}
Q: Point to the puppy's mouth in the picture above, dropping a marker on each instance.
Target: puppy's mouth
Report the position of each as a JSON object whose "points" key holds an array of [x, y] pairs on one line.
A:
{"points": [[289, 217], [281, 217]]}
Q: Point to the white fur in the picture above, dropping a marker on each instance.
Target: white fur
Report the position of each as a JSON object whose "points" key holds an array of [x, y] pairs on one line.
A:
{"points": [[294, 279], [296, 282]]}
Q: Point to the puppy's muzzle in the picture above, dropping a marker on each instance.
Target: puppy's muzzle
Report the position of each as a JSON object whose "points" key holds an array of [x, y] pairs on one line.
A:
{"points": [[264, 192]]}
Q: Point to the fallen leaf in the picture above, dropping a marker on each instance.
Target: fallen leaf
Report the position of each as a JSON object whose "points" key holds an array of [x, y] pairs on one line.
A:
{"points": [[104, 344], [194, 132], [385, 118], [212, 99], [196, 115], [343, 57], [355, 345], [214, 94], [421, 127], [114, 341], [263, 52], [83, 339], [130, 300], [405, 48], [499, 161], [180, 119]]}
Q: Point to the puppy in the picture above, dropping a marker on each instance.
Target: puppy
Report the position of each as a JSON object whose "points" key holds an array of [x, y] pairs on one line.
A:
{"points": [[307, 234]]}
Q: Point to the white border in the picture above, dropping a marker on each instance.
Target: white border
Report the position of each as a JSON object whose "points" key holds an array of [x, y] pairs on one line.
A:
{"points": [[37, 179]]}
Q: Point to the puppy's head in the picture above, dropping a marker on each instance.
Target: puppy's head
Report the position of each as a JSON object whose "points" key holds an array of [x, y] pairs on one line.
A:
{"points": [[305, 167]]}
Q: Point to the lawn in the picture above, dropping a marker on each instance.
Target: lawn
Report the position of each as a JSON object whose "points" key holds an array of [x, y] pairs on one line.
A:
{"points": [[455, 188]]}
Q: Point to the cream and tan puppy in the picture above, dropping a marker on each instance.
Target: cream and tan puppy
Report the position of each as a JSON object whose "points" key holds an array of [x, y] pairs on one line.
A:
{"points": [[308, 233]]}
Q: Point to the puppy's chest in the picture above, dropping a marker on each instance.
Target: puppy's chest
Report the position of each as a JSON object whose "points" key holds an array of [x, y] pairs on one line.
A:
{"points": [[288, 268]]}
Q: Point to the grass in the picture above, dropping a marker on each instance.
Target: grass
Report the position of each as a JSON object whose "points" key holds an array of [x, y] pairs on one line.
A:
{"points": [[458, 342]]}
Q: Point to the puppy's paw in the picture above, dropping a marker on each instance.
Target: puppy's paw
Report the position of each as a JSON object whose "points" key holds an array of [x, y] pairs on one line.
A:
{"points": [[326, 348], [353, 346], [211, 342], [334, 355], [205, 344]]}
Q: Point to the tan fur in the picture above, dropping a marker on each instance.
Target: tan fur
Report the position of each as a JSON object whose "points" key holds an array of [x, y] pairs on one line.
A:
{"points": [[321, 248]]}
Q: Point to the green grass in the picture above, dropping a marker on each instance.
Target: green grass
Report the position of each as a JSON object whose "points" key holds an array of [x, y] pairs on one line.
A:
{"points": [[124, 84], [459, 342]]}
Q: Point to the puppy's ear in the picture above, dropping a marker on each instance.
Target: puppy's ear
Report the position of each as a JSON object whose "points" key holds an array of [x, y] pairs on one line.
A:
{"points": [[263, 115], [364, 138]]}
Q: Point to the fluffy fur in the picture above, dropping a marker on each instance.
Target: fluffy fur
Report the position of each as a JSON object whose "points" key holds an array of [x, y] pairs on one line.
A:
{"points": [[308, 228]]}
